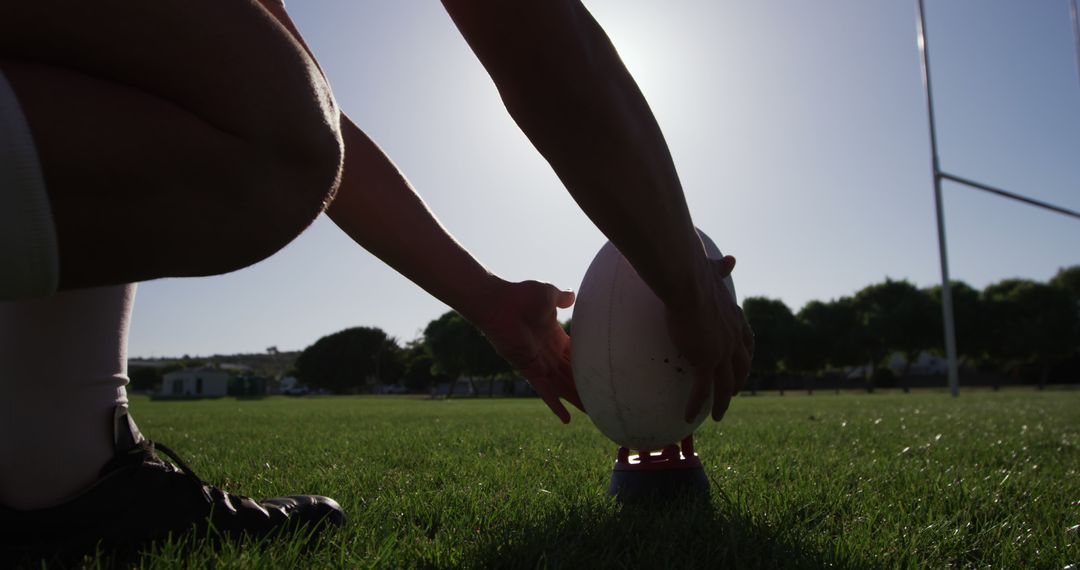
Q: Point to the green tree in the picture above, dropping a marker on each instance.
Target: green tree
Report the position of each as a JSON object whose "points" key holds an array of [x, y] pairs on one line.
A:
{"points": [[807, 352], [343, 362], [834, 326], [418, 375], [773, 325], [145, 378], [1068, 279], [459, 349], [973, 333], [897, 316], [1005, 347], [389, 363], [1034, 323]]}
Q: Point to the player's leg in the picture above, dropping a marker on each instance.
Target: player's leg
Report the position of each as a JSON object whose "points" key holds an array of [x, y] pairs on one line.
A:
{"points": [[175, 138], [75, 473], [63, 368]]}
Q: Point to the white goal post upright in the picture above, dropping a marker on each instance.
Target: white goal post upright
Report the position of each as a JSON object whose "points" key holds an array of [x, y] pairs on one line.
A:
{"points": [[1076, 34], [946, 287], [939, 175]]}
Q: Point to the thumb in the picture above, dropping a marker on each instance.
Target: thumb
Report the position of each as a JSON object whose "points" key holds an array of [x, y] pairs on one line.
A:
{"points": [[727, 264], [563, 299]]}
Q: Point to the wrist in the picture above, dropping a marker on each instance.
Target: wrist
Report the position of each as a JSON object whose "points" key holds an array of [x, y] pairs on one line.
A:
{"points": [[688, 294], [482, 304]]}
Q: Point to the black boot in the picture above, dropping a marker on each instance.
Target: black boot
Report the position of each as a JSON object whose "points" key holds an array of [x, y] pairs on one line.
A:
{"points": [[139, 498]]}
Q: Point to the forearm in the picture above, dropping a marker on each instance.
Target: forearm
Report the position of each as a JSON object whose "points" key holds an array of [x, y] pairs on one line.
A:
{"points": [[563, 83], [377, 208]]}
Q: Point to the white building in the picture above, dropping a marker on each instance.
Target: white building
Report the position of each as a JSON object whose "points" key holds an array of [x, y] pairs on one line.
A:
{"points": [[195, 383], [925, 364], [290, 386]]}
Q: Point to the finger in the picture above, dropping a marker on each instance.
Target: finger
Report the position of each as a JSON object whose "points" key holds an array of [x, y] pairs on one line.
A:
{"points": [[564, 299], [698, 392], [747, 336], [566, 376], [575, 399], [552, 401], [740, 366], [727, 264], [725, 387]]}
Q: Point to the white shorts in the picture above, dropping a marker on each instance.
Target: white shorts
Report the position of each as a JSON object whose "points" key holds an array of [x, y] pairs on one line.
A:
{"points": [[29, 263]]}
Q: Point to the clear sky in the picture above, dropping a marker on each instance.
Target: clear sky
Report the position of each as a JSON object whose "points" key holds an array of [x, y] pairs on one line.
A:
{"points": [[798, 128]]}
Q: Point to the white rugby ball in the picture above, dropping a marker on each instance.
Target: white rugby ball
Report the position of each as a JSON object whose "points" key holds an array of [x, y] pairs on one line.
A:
{"points": [[632, 381]]}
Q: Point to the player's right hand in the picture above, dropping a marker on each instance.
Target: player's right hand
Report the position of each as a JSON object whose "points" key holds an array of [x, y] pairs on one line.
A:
{"points": [[712, 334], [523, 329]]}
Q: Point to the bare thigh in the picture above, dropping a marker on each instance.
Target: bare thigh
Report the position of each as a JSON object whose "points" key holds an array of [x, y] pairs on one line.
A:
{"points": [[176, 138]]}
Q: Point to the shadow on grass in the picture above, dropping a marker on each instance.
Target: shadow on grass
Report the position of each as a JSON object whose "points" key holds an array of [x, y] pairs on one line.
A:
{"points": [[676, 536]]}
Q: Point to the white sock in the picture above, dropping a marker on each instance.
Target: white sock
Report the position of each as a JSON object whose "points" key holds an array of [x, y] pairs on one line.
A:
{"points": [[63, 368]]}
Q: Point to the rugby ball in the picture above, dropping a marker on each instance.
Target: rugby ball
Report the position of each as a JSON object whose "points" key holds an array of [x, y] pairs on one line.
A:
{"points": [[633, 382]]}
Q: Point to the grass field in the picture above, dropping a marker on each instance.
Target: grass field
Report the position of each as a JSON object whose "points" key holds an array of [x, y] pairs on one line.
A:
{"points": [[844, 481]]}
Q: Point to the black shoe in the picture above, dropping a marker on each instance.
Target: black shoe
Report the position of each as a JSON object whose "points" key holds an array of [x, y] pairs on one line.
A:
{"points": [[140, 498]]}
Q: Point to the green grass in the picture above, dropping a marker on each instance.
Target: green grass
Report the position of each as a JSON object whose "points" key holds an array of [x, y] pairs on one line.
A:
{"points": [[849, 481]]}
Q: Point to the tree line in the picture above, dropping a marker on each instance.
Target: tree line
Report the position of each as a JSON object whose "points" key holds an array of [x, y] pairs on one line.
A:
{"points": [[1014, 328], [1009, 328], [357, 359]]}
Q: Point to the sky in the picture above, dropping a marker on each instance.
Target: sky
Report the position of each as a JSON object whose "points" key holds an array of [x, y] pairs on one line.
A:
{"points": [[798, 129]]}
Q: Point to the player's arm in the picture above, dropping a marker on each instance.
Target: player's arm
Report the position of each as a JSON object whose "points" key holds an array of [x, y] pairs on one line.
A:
{"points": [[377, 208], [565, 86]]}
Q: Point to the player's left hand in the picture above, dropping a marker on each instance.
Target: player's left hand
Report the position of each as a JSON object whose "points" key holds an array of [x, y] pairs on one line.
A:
{"points": [[523, 328], [715, 338]]}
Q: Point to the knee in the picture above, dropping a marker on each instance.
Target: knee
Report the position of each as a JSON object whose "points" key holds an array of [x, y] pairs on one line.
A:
{"points": [[301, 174], [284, 187]]}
